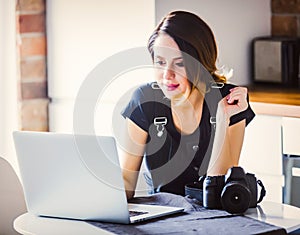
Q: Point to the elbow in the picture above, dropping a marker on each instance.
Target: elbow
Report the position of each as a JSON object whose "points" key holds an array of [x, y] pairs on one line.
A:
{"points": [[129, 194]]}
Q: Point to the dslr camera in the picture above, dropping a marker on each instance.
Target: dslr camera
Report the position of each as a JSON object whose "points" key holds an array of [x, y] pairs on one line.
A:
{"points": [[234, 192]]}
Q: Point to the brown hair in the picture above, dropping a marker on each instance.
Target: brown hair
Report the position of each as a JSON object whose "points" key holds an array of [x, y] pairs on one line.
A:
{"points": [[193, 37]]}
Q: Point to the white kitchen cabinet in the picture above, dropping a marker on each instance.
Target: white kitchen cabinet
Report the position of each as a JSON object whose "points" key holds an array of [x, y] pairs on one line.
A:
{"points": [[291, 150], [290, 136], [262, 153]]}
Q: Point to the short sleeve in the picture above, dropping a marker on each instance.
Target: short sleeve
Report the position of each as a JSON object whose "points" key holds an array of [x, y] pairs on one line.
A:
{"points": [[248, 114], [137, 110]]}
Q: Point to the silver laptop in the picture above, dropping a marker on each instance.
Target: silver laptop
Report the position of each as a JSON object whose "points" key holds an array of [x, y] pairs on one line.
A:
{"points": [[77, 177]]}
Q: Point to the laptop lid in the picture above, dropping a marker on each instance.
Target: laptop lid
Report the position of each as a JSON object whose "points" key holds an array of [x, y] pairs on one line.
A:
{"points": [[74, 176]]}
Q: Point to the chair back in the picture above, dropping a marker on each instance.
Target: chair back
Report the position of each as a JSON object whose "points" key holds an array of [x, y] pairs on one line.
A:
{"points": [[12, 201]]}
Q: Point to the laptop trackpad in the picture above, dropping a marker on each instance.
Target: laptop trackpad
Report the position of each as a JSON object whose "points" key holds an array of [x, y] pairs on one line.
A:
{"points": [[143, 211]]}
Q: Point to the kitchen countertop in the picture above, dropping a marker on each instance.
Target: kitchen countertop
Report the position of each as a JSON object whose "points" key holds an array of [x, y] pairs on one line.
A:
{"points": [[275, 100]]}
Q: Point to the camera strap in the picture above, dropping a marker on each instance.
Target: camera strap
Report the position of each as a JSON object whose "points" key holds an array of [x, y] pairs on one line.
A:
{"points": [[262, 191], [195, 189]]}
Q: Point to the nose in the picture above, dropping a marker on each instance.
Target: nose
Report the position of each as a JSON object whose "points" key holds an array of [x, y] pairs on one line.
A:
{"points": [[168, 73]]}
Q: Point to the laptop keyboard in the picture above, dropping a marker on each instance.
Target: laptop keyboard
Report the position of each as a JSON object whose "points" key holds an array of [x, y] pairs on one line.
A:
{"points": [[135, 213]]}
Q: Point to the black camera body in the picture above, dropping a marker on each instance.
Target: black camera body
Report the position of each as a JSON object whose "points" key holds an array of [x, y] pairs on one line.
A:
{"points": [[234, 192]]}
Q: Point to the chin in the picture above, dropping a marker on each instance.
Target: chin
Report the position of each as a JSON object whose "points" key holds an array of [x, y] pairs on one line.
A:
{"points": [[171, 94]]}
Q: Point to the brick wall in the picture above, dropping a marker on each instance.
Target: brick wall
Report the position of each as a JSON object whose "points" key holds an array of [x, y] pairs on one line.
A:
{"points": [[31, 34], [285, 18]]}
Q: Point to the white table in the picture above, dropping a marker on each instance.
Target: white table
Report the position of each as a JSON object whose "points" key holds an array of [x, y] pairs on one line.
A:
{"points": [[277, 214], [31, 224], [281, 215]]}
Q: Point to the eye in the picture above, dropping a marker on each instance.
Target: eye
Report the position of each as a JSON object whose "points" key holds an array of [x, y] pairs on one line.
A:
{"points": [[180, 64], [160, 62]]}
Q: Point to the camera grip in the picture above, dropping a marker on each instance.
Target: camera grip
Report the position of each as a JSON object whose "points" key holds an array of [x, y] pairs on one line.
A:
{"points": [[212, 189]]}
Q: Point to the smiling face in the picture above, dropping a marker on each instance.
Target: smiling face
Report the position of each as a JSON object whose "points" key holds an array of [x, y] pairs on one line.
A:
{"points": [[170, 72]]}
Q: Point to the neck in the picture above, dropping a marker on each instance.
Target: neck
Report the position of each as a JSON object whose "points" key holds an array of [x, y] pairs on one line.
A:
{"points": [[187, 114], [193, 101]]}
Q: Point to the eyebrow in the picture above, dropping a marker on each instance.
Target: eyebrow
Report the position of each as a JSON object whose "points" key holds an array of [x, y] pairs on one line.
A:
{"points": [[176, 58]]}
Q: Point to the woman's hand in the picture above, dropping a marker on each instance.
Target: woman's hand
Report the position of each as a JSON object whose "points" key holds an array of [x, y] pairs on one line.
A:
{"points": [[234, 103]]}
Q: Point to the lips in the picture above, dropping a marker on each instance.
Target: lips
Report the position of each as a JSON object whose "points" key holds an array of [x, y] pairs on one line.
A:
{"points": [[172, 87]]}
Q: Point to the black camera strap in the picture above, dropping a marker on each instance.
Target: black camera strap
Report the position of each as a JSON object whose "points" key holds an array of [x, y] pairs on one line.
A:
{"points": [[195, 189], [262, 191]]}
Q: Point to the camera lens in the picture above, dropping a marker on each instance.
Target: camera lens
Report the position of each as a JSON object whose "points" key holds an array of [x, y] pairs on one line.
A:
{"points": [[235, 198]]}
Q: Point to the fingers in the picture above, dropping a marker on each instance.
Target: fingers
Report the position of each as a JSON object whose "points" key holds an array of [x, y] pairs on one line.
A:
{"points": [[237, 95], [235, 102]]}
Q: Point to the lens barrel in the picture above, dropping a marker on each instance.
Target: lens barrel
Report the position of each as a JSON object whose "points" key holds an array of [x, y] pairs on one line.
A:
{"points": [[235, 198]]}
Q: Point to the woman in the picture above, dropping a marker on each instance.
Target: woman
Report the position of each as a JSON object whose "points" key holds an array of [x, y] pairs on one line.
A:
{"points": [[189, 122]]}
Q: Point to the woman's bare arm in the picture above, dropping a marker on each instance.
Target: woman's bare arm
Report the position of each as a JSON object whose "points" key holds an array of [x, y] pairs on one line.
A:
{"points": [[227, 148], [228, 139], [131, 155]]}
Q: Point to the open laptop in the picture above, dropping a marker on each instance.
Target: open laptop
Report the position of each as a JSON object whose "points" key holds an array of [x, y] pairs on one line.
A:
{"points": [[77, 177]]}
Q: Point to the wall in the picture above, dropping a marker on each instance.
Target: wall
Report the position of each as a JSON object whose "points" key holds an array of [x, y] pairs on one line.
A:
{"points": [[8, 80], [234, 22], [79, 39]]}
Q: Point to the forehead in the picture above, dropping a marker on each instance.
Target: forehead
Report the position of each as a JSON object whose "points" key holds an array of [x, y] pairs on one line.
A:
{"points": [[165, 46]]}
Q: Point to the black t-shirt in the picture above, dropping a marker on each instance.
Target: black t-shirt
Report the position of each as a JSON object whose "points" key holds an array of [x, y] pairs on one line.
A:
{"points": [[173, 159]]}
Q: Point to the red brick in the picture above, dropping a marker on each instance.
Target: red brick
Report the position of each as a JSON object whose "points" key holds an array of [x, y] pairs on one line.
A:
{"points": [[284, 26], [33, 90], [34, 115], [31, 5], [32, 23], [17, 23], [285, 6], [31, 46], [33, 70]]}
